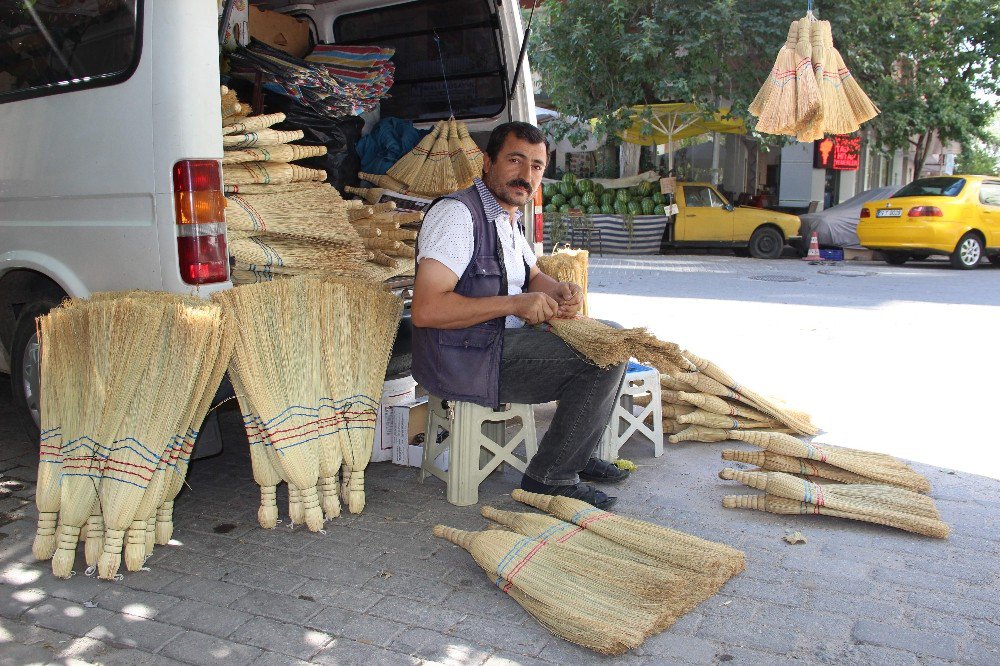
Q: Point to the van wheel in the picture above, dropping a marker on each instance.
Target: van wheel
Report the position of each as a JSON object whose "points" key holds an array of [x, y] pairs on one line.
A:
{"points": [[968, 252], [24, 366], [766, 243], [896, 258]]}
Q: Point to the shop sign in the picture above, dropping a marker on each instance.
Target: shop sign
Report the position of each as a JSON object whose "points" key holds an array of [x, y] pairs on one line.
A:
{"points": [[842, 153]]}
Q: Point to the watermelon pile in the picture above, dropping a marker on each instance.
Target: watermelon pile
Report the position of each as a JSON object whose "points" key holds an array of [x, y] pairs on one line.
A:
{"points": [[574, 194]]}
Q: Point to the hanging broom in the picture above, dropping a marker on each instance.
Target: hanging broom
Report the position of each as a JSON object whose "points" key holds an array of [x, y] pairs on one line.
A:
{"points": [[837, 117], [781, 505], [436, 174], [460, 164], [660, 543], [279, 365], [360, 327], [573, 595], [861, 106], [409, 165], [809, 108], [472, 151], [878, 467], [776, 108], [774, 462]]}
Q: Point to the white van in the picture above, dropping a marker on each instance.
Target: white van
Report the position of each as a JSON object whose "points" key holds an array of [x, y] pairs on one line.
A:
{"points": [[110, 136]]}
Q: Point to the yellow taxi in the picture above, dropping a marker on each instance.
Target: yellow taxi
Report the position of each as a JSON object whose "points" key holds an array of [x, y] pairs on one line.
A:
{"points": [[954, 215]]}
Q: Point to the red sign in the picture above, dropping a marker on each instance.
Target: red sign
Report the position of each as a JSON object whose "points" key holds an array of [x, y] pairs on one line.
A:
{"points": [[842, 153]]}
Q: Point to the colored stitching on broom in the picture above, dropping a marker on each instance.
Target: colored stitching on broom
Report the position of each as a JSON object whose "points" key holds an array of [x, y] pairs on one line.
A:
{"points": [[509, 557], [566, 537], [520, 565], [109, 478]]}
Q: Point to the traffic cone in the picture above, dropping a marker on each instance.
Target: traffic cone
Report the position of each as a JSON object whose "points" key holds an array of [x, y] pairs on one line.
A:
{"points": [[813, 253]]}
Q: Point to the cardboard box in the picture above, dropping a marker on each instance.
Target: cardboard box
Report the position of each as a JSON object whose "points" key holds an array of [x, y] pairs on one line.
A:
{"points": [[285, 33], [400, 426]]}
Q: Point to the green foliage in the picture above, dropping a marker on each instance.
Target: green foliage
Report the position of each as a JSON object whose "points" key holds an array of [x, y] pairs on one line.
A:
{"points": [[979, 159]]}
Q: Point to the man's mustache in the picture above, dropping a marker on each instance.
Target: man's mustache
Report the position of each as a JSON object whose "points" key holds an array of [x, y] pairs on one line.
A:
{"points": [[517, 182]]}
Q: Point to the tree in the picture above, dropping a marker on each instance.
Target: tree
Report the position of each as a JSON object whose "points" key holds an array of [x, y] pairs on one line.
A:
{"points": [[979, 159], [930, 65]]}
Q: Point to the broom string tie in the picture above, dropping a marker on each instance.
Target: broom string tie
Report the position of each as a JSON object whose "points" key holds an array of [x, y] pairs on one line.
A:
{"points": [[90, 571]]}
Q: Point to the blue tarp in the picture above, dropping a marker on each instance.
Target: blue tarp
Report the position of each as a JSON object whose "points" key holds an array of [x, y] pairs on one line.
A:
{"points": [[390, 139]]}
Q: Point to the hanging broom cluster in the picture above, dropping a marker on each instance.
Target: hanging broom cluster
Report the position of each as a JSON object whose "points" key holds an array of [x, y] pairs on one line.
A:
{"points": [[281, 218], [444, 161], [126, 380], [308, 368], [810, 91], [595, 578], [859, 485]]}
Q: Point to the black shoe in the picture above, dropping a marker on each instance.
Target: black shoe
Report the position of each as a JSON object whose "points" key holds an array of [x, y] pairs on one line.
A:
{"points": [[580, 491], [601, 471]]}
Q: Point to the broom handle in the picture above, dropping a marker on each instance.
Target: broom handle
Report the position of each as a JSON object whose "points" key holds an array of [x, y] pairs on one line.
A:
{"points": [[456, 536]]}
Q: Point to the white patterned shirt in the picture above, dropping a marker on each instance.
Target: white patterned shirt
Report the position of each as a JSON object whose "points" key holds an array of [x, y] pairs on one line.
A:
{"points": [[446, 236]]}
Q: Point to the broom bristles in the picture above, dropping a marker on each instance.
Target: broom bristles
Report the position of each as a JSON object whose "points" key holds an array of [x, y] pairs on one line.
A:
{"points": [[410, 164], [436, 173], [777, 77]]}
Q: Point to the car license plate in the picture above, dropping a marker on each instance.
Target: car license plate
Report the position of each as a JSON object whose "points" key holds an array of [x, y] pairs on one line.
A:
{"points": [[889, 212]]}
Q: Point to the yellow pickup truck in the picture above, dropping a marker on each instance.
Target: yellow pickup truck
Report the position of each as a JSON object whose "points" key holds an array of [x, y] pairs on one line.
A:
{"points": [[705, 219]]}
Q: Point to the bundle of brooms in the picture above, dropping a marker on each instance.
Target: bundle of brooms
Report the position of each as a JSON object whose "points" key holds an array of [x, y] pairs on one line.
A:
{"points": [[281, 219], [309, 361], [442, 162], [606, 583], [874, 503], [123, 374]]}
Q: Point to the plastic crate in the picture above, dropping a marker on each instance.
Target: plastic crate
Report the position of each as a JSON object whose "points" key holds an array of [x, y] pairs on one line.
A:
{"points": [[833, 254]]}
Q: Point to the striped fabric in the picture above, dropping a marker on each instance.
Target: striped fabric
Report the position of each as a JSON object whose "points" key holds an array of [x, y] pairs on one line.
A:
{"points": [[613, 237], [355, 64]]}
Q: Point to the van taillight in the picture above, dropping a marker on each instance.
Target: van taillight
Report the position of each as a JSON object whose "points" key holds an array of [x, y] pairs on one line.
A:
{"points": [[201, 222], [925, 211]]}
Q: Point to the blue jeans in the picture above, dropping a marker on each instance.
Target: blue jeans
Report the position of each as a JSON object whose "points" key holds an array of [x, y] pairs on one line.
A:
{"points": [[537, 367]]}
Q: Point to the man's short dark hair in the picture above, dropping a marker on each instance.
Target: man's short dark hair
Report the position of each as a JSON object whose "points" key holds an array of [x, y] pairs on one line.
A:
{"points": [[524, 131]]}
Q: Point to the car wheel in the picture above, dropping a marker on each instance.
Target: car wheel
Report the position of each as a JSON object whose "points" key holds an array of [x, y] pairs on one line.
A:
{"points": [[24, 367], [766, 243], [896, 258], [968, 252]]}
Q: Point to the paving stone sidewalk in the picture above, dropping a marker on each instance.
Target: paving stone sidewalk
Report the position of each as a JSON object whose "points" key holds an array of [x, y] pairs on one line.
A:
{"points": [[377, 588]]}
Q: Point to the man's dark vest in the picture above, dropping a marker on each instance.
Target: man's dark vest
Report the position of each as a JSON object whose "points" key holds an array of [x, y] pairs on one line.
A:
{"points": [[464, 363]]}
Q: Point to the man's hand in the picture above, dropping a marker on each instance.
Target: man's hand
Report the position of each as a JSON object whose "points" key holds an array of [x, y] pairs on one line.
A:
{"points": [[534, 307], [570, 299]]}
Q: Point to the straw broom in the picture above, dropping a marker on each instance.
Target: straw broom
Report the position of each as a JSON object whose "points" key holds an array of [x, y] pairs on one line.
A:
{"points": [[172, 367], [717, 405], [780, 505], [109, 353], [878, 467], [460, 164], [698, 433], [53, 363], [279, 360], [361, 322], [179, 465], [854, 498], [266, 173], [436, 174], [281, 216], [774, 462], [409, 165], [660, 543], [861, 106], [781, 73], [690, 586], [293, 253], [809, 105], [776, 111], [303, 189], [472, 151], [253, 124], [606, 346], [264, 473], [794, 420], [574, 594], [837, 116], [386, 181], [674, 386], [286, 152], [265, 137]]}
